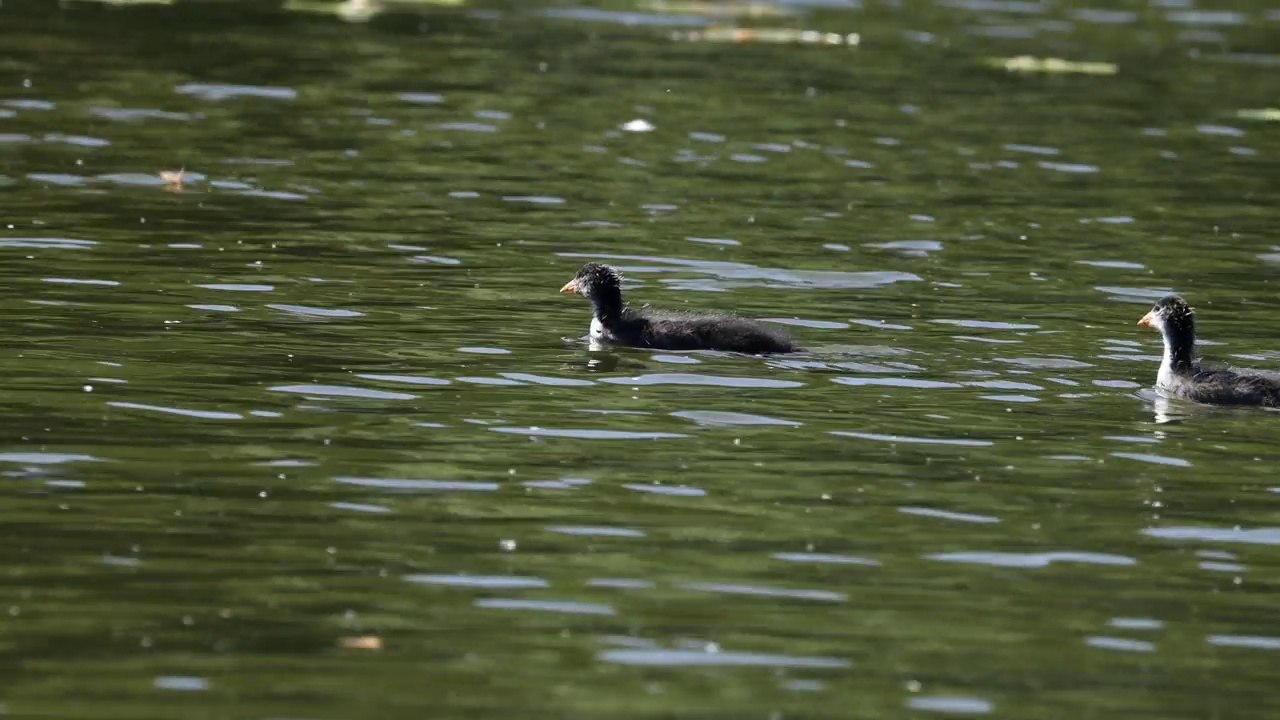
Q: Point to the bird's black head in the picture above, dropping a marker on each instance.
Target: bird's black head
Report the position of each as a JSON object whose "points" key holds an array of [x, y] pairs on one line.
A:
{"points": [[1171, 315], [596, 282]]}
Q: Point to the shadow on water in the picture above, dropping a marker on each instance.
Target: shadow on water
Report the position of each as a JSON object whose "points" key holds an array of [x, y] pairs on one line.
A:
{"points": [[302, 428]]}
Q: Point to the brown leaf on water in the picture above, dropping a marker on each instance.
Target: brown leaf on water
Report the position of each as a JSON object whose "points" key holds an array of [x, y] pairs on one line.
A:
{"points": [[361, 642], [173, 178]]}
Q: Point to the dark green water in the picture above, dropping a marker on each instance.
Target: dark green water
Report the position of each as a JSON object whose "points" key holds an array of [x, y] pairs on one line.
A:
{"points": [[316, 437]]}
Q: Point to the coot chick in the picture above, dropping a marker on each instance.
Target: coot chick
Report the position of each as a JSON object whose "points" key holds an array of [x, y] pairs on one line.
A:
{"points": [[613, 323], [1181, 376]]}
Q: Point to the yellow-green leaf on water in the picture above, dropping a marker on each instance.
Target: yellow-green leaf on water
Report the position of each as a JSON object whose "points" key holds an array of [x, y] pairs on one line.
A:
{"points": [[715, 9], [1027, 63], [1263, 114], [350, 10]]}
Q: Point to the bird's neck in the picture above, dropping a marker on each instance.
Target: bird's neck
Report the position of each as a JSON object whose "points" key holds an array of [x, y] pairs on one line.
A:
{"points": [[607, 307], [1179, 353]]}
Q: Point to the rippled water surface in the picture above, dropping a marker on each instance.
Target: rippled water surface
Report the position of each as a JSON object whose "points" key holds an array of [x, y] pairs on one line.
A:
{"points": [[312, 434]]}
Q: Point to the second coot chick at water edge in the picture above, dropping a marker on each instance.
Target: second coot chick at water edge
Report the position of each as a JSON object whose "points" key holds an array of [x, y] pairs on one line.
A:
{"points": [[1181, 376], [612, 322]]}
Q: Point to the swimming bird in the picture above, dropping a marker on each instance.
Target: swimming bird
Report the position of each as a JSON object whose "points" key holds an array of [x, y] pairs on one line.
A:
{"points": [[1181, 376], [613, 323]]}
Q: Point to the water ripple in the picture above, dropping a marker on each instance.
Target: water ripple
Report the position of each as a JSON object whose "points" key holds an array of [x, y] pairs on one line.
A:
{"points": [[1031, 560], [81, 140], [342, 391], [47, 243], [719, 658], [764, 591], [677, 490], [406, 379], [1033, 149], [184, 683], [534, 199], [1152, 458], [238, 287], [131, 114], [895, 382], [359, 507], [546, 380], [314, 311], [1054, 363], [946, 515], [720, 418], [951, 705], [45, 458], [825, 558], [988, 324], [909, 439], [1256, 536], [1205, 17], [28, 104], [1073, 168], [563, 606], [594, 531], [1257, 642], [694, 379], [202, 414], [81, 281], [406, 484], [1121, 644], [214, 308], [222, 91], [474, 127], [816, 324], [421, 98], [1003, 385], [487, 582], [772, 277], [586, 433], [1126, 623]]}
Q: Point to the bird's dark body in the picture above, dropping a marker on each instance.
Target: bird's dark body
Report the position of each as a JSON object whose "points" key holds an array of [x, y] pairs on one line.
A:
{"points": [[615, 323], [669, 331], [1222, 386]]}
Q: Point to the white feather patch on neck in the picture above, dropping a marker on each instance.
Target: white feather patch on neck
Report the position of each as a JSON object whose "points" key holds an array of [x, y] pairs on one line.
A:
{"points": [[1164, 378]]}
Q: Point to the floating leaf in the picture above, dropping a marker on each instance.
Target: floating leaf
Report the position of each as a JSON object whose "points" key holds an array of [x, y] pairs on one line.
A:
{"points": [[716, 9], [1027, 63], [1263, 114]]}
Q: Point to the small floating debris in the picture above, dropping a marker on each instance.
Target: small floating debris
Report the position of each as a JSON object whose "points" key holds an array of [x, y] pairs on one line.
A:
{"points": [[362, 642], [1027, 63], [362, 10], [773, 36], [1263, 114], [173, 178], [351, 10], [638, 125]]}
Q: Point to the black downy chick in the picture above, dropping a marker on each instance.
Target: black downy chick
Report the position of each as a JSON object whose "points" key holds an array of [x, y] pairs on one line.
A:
{"points": [[613, 323], [1182, 377]]}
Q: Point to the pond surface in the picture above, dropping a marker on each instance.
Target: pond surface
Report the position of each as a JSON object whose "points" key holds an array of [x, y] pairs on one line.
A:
{"points": [[313, 435]]}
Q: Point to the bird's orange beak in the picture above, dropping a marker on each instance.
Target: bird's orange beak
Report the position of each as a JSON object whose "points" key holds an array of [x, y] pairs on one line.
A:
{"points": [[1148, 319], [570, 287]]}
